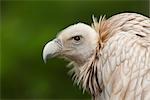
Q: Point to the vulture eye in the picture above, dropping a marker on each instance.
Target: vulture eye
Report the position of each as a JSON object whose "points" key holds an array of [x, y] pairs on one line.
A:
{"points": [[76, 38]]}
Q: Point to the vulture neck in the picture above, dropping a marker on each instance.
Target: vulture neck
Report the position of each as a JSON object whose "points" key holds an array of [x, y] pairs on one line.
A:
{"points": [[88, 75]]}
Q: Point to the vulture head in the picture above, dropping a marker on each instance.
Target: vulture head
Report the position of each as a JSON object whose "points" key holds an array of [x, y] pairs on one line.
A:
{"points": [[79, 44], [106, 56], [76, 43]]}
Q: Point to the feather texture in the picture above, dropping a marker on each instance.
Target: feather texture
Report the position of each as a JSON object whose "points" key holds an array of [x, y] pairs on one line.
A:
{"points": [[120, 67], [111, 59], [127, 60]]}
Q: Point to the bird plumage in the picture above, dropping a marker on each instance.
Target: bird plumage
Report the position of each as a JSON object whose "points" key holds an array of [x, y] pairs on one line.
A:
{"points": [[125, 58], [118, 66]]}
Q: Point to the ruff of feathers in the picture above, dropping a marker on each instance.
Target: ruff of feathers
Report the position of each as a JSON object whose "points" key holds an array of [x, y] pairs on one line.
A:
{"points": [[86, 76]]}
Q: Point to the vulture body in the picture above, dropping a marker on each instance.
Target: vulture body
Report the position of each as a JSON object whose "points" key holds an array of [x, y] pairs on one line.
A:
{"points": [[111, 58]]}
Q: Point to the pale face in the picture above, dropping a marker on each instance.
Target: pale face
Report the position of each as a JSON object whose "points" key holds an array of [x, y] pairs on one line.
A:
{"points": [[77, 42]]}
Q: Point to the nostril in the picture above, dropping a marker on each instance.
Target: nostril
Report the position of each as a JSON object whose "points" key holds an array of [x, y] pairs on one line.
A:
{"points": [[58, 42]]}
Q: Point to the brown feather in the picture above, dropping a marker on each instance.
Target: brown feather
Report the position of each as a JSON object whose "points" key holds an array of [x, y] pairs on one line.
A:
{"points": [[102, 28]]}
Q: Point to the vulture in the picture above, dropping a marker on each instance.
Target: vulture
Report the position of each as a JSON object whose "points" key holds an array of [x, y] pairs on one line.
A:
{"points": [[110, 58]]}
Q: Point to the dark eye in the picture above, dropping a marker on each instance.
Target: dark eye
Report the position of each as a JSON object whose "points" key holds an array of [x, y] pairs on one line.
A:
{"points": [[77, 38]]}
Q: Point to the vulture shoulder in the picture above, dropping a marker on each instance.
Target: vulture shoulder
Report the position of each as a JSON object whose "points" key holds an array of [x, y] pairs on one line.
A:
{"points": [[125, 57]]}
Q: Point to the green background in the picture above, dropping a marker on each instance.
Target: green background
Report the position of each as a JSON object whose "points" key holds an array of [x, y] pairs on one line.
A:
{"points": [[26, 26]]}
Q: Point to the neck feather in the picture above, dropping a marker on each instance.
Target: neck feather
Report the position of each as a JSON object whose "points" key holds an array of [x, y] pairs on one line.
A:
{"points": [[88, 75]]}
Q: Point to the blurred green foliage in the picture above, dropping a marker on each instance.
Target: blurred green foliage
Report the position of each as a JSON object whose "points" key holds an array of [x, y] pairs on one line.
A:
{"points": [[26, 26]]}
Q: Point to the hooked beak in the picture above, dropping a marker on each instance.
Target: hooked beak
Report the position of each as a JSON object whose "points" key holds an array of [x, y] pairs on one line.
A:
{"points": [[52, 49]]}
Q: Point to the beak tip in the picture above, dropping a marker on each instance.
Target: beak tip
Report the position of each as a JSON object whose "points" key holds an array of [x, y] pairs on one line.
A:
{"points": [[44, 58], [45, 61], [51, 49]]}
